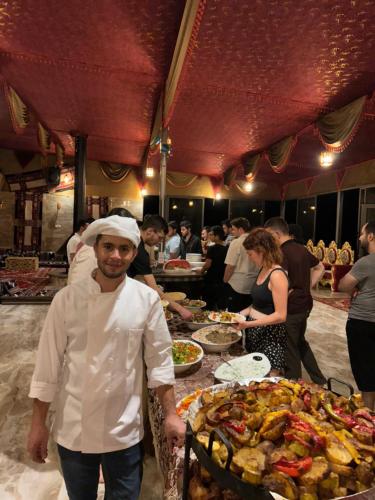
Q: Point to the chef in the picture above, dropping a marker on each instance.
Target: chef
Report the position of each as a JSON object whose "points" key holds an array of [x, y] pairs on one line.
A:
{"points": [[97, 334]]}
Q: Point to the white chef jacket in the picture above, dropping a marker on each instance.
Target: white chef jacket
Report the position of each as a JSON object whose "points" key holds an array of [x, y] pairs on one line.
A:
{"points": [[83, 264], [71, 246], [90, 361]]}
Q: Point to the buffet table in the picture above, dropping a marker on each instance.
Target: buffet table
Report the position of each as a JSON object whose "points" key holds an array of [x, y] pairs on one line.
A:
{"points": [[199, 377]]}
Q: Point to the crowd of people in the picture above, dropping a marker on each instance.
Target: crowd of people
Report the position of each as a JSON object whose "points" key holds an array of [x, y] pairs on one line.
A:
{"points": [[108, 323]]}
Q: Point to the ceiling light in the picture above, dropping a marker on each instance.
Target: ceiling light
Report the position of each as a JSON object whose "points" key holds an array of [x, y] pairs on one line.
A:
{"points": [[248, 187], [326, 159], [150, 172], [254, 210], [174, 207], [217, 196], [313, 207], [143, 192], [191, 203], [305, 212]]}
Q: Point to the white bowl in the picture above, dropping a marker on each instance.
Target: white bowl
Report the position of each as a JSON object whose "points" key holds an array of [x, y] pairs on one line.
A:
{"points": [[174, 296], [197, 265], [197, 326], [186, 366], [194, 257], [199, 336]]}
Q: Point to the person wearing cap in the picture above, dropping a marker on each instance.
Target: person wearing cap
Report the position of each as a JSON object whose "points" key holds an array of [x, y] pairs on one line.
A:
{"points": [[97, 336]]}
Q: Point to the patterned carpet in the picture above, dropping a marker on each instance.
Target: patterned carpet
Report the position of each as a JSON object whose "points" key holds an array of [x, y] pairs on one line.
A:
{"points": [[339, 303]]}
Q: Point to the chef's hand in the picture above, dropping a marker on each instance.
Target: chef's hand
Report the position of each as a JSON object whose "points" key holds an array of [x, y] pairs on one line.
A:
{"points": [[185, 314], [37, 443], [175, 430]]}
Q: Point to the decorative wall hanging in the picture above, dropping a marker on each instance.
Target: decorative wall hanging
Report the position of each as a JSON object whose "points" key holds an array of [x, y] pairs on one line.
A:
{"points": [[278, 154], [217, 184], [97, 206], [44, 140], [19, 114], [115, 173], [337, 129], [187, 180], [230, 176], [250, 166], [24, 157], [59, 151]]}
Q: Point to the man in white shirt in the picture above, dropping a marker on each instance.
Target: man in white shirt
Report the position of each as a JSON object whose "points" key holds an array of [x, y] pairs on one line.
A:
{"points": [[240, 273], [75, 240], [173, 243], [90, 359]]}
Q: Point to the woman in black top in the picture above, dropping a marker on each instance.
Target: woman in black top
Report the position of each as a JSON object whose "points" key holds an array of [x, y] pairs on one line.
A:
{"points": [[213, 270], [267, 314]]}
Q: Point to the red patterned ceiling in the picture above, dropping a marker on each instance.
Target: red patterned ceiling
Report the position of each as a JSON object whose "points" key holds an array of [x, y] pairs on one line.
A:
{"points": [[258, 71]]}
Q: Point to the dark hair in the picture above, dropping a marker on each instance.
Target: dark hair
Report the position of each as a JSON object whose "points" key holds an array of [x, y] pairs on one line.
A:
{"points": [[156, 222], [241, 222], [122, 212], [263, 242], [277, 224], [295, 231], [370, 227], [185, 223], [218, 231], [226, 222], [173, 224], [207, 228], [83, 222]]}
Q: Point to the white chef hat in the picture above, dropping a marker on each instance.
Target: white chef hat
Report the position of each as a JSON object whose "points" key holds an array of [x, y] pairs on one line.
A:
{"points": [[125, 227]]}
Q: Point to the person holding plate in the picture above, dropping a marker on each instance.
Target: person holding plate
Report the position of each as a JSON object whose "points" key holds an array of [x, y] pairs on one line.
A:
{"points": [[265, 328]]}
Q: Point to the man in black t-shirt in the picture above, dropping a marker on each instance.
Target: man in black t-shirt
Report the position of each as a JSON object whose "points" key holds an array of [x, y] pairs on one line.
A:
{"points": [[213, 270], [189, 242], [304, 272], [153, 230]]}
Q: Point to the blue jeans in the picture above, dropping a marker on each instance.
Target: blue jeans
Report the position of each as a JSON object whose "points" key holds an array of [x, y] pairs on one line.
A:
{"points": [[122, 471]]}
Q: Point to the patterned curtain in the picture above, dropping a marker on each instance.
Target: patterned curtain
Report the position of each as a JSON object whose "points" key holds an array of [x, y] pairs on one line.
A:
{"points": [[115, 173], [250, 166], [19, 114], [230, 176], [28, 224], [97, 206]]}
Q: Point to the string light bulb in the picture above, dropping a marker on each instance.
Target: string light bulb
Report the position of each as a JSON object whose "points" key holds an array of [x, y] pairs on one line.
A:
{"points": [[191, 203], [217, 196], [326, 159], [150, 172], [143, 192], [248, 187]]}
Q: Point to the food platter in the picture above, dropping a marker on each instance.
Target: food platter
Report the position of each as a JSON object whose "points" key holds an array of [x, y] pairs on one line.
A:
{"points": [[252, 365], [186, 354], [217, 338], [200, 320], [193, 305], [295, 439], [174, 296], [226, 317]]}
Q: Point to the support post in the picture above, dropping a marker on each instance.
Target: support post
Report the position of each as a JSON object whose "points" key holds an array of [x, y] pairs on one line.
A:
{"points": [[80, 178], [163, 173]]}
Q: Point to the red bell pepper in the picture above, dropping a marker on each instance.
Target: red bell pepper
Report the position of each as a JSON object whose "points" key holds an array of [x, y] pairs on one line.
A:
{"points": [[293, 468], [237, 426]]}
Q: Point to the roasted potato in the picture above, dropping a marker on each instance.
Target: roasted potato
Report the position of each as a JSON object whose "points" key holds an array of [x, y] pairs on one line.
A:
{"points": [[282, 484], [318, 471]]}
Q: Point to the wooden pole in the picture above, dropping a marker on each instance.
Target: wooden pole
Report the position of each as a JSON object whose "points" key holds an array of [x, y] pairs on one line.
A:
{"points": [[80, 178]]}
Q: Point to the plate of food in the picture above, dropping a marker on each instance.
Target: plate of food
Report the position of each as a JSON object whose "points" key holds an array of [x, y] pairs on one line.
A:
{"points": [[296, 439], [199, 320], [226, 317], [216, 338], [193, 305], [174, 296], [252, 365], [186, 354]]}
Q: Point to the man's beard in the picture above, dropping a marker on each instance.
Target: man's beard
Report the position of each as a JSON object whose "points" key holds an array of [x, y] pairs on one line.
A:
{"points": [[364, 246], [113, 275]]}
